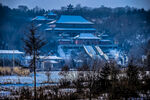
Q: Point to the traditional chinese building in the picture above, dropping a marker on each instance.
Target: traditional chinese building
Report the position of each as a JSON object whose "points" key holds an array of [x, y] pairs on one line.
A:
{"points": [[75, 34], [72, 25], [43, 21]]}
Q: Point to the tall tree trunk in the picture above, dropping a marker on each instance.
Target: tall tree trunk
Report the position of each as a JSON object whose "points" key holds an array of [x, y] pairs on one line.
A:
{"points": [[33, 44], [90, 98], [34, 77], [34, 83]]}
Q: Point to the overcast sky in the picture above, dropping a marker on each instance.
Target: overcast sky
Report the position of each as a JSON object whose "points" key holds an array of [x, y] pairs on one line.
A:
{"points": [[57, 4]]}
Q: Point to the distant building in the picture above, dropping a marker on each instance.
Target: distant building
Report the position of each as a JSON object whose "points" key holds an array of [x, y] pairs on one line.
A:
{"points": [[46, 62], [43, 21], [106, 44], [11, 57], [72, 25], [76, 35], [86, 39], [51, 16]]}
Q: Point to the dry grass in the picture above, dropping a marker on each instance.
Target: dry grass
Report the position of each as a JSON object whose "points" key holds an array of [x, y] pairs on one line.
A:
{"points": [[5, 71], [16, 70], [21, 71]]}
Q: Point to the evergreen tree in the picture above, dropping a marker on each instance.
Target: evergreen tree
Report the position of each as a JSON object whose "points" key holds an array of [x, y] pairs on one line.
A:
{"points": [[33, 44], [148, 60], [114, 77], [104, 78], [133, 81]]}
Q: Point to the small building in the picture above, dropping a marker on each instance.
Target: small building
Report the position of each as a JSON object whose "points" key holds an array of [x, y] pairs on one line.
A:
{"points": [[50, 62], [11, 57], [41, 19], [46, 62], [51, 15], [65, 41], [45, 20]]}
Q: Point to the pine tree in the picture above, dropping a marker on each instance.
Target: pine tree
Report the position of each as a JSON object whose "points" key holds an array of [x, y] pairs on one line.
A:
{"points": [[33, 43], [148, 60], [104, 77], [133, 80], [114, 72]]}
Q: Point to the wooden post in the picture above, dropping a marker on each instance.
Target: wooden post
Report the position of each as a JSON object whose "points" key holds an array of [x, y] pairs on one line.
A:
{"points": [[13, 59], [3, 60]]}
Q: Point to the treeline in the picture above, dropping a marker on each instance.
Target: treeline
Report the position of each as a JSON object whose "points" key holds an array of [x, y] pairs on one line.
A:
{"points": [[14, 23]]}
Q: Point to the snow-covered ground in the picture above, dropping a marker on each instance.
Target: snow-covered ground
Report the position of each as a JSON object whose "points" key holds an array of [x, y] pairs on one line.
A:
{"points": [[41, 77]]}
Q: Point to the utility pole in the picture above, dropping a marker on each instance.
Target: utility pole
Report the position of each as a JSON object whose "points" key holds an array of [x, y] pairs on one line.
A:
{"points": [[3, 60], [13, 59]]}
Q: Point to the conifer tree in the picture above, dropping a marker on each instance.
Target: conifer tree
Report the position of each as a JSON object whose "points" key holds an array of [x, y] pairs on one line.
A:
{"points": [[104, 77], [33, 44]]}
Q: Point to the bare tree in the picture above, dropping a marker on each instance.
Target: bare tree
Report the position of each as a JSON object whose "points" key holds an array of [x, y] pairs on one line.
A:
{"points": [[48, 74], [64, 82], [33, 43]]}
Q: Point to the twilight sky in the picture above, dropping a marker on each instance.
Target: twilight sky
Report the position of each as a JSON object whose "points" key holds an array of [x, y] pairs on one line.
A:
{"points": [[57, 4]]}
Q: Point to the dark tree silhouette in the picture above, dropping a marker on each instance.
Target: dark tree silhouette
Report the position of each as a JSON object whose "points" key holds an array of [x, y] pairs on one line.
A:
{"points": [[64, 82], [33, 43], [104, 77], [114, 77], [70, 7], [133, 81], [148, 60]]}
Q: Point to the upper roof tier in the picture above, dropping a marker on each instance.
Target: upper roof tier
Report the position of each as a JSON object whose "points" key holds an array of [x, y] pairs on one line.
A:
{"points": [[71, 19]]}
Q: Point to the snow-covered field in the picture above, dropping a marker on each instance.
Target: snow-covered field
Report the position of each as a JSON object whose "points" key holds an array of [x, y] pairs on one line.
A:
{"points": [[41, 77]]}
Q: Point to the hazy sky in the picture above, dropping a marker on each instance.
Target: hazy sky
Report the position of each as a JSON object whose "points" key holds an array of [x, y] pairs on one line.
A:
{"points": [[51, 4]]}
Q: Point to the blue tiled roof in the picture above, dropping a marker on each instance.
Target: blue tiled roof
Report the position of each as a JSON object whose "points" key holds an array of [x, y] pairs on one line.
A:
{"points": [[40, 18], [51, 13], [73, 19], [86, 36], [72, 29], [104, 40]]}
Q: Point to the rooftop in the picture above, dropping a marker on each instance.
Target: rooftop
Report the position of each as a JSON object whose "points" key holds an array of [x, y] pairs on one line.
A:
{"points": [[86, 36], [52, 22], [42, 18], [51, 57], [10, 52], [51, 13], [64, 40], [68, 19], [104, 40], [72, 29], [46, 57], [104, 35]]}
